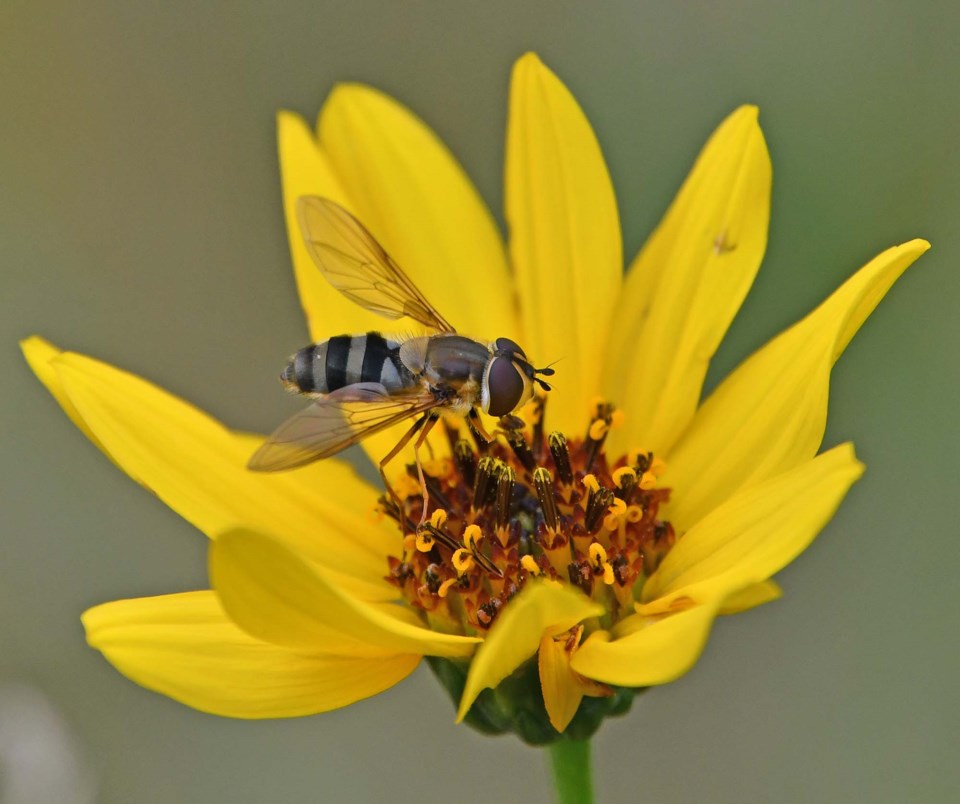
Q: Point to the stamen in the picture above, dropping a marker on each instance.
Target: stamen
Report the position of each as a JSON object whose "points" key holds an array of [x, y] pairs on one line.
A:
{"points": [[538, 409], [597, 504], [597, 432], [507, 511], [543, 482], [518, 443], [504, 495], [625, 479], [561, 457], [482, 484], [466, 460]]}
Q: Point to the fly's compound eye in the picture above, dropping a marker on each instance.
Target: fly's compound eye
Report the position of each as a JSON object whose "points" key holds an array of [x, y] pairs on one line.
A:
{"points": [[507, 347], [504, 387]]}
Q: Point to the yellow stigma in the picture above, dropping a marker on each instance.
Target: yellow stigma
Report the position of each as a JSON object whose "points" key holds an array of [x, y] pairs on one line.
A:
{"points": [[529, 563]]}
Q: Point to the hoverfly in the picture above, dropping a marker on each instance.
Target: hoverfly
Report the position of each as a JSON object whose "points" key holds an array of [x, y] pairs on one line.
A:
{"points": [[362, 384]]}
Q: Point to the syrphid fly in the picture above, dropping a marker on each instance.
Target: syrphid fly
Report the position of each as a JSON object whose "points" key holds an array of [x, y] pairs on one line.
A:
{"points": [[362, 384]]}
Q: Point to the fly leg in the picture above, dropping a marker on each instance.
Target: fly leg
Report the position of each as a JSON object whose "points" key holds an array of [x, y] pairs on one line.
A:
{"points": [[479, 431], [414, 429], [431, 419]]}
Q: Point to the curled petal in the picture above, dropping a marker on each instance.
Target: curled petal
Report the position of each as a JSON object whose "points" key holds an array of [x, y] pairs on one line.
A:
{"points": [[185, 647], [540, 608], [751, 596], [653, 649], [275, 595]]}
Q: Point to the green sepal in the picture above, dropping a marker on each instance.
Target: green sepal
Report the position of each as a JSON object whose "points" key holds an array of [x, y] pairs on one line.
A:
{"points": [[516, 704]]}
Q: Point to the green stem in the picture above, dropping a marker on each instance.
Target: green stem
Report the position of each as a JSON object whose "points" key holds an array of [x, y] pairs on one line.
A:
{"points": [[570, 762]]}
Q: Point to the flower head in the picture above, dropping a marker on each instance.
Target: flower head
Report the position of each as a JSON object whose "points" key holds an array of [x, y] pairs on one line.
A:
{"points": [[568, 563]]}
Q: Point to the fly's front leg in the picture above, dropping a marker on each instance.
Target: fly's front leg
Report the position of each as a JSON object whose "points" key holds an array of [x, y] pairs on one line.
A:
{"points": [[480, 433]]}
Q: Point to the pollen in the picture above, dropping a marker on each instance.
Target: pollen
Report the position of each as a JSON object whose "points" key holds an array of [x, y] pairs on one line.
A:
{"points": [[530, 504]]}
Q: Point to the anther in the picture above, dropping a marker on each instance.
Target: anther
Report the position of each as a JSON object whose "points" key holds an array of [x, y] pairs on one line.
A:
{"points": [[640, 459], [597, 504], [466, 461], [597, 433], [543, 482], [482, 483], [518, 443], [537, 416], [505, 495], [561, 456], [438, 517]]}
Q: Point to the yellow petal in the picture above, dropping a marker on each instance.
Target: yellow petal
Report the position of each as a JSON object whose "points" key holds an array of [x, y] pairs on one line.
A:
{"points": [[687, 283], [562, 689], [415, 198], [275, 595], [564, 236], [198, 468], [305, 169], [769, 414], [185, 647], [751, 596], [40, 354], [515, 635], [754, 534], [652, 651]]}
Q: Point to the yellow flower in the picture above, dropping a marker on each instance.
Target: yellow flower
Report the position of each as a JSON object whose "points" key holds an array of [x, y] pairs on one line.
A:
{"points": [[584, 565]]}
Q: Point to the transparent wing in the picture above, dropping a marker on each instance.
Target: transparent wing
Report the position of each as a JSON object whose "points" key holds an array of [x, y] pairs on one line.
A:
{"points": [[336, 422], [356, 264]]}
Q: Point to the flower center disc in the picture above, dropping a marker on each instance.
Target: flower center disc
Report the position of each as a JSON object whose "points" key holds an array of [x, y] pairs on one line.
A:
{"points": [[527, 505]]}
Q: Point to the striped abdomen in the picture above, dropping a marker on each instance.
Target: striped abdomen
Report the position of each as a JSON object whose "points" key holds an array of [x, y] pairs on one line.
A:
{"points": [[345, 360]]}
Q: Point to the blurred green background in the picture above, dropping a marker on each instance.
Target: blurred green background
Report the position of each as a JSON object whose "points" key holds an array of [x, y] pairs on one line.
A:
{"points": [[140, 222]]}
